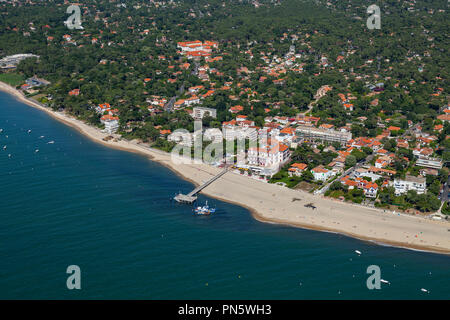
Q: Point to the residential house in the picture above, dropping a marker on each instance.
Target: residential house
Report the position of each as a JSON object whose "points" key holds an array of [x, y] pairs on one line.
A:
{"points": [[297, 169], [275, 155], [111, 123]]}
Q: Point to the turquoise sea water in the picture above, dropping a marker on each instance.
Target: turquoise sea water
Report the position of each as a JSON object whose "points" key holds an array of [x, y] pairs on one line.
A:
{"points": [[76, 202]]}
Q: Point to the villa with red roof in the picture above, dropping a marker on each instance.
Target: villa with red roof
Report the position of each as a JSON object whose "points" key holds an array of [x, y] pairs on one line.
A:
{"points": [[236, 109], [197, 49], [444, 117], [102, 108], [370, 188], [322, 174]]}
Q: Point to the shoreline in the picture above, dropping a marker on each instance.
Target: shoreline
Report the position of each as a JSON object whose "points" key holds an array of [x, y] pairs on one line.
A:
{"points": [[270, 203]]}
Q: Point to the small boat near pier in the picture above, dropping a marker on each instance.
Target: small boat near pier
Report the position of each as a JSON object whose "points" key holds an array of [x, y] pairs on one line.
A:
{"points": [[205, 210]]}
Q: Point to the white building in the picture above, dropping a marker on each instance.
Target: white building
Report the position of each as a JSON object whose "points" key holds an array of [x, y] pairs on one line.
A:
{"points": [[322, 174], [319, 134], [231, 131], [111, 123], [190, 45], [433, 163], [282, 120], [364, 173], [410, 183], [269, 156], [102, 108], [192, 100], [200, 112], [10, 62], [194, 90], [285, 136], [371, 190]]}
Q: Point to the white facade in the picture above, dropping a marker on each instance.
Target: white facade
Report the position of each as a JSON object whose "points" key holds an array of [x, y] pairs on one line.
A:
{"points": [[191, 101], [269, 156], [282, 120], [360, 173], [429, 163], [200, 112], [370, 192], [285, 138], [319, 134], [234, 132]]}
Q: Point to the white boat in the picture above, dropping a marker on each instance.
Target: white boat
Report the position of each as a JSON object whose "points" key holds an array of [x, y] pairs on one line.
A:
{"points": [[424, 290], [51, 142], [358, 252], [4, 147], [384, 281], [205, 210], [29, 131], [36, 151]]}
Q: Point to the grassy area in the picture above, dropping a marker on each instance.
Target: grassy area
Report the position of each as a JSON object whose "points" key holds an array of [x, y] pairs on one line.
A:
{"points": [[336, 194], [446, 208], [354, 195], [38, 97], [282, 176], [13, 79]]}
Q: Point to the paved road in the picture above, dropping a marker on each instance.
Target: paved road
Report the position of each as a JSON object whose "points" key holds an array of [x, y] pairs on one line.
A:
{"points": [[444, 196], [169, 105]]}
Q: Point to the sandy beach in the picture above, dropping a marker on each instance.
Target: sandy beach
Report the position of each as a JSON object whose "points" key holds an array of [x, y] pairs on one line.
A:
{"points": [[274, 204]]}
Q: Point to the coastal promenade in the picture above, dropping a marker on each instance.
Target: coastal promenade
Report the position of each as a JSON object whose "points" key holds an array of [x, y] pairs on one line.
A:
{"points": [[275, 204], [192, 196]]}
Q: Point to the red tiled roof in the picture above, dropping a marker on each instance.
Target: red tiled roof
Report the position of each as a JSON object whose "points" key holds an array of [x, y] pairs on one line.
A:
{"points": [[300, 166]]}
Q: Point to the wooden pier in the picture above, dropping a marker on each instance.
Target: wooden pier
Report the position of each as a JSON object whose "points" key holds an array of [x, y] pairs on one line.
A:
{"points": [[192, 196]]}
